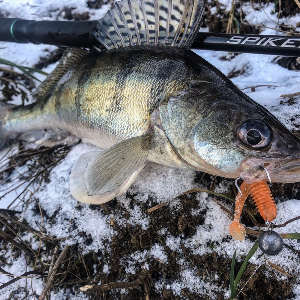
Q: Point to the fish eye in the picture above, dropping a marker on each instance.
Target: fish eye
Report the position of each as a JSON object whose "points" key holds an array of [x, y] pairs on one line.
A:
{"points": [[255, 134]]}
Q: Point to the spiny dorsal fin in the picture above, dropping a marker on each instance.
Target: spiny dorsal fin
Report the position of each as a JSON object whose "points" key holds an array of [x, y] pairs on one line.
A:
{"points": [[70, 57], [150, 22]]}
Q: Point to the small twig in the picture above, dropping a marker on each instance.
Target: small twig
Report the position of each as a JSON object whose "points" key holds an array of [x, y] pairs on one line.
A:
{"points": [[41, 213], [74, 282], [2, 69], [17, 84], [54, 270], [10, 240], [278, 269], [274, 225], [291, 248], [287, 222], [230, 20], [241, 290], [8, 80], [25, 275], [276, 23], [290, 95], [8, 226], [9, 211], [64, 276], [259, 85], [35, 152], [116, 285], [15, 188], [85, 267], [52, 261], [197, 190], [224, 208], [279, 10], [112, 4], [158, 206], [252, 232], [34, 178], [38, 254], [27, 227], [298, 3], [279, 30]]}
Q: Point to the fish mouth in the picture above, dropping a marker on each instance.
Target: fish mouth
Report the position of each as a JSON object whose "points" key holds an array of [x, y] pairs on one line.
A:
{"points": [[289, 167], [287, 172], [276, 170]]}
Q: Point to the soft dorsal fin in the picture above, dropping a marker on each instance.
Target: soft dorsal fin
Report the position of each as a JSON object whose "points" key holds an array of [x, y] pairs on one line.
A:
{"points": [[150, 22], [70, 57]]}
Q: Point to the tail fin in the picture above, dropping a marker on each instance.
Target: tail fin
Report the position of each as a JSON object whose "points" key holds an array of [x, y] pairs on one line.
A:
{"points": [[6, 136]]}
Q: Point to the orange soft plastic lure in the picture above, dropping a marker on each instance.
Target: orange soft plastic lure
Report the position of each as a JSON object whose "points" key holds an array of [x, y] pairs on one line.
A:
{"points": [[261, 194]]}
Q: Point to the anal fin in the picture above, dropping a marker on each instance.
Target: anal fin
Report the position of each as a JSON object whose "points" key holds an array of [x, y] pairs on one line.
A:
{"points": [[100, 176]]}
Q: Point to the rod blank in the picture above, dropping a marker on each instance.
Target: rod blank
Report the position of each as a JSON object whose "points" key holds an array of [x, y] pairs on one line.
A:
{"points": [[260, 44], [80, 34]]}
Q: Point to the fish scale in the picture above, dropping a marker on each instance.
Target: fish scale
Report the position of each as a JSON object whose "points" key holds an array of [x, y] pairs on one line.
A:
{"points": [[113, 99]]}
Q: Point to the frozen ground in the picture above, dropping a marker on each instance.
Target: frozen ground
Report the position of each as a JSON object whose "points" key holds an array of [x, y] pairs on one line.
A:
{"points": [[156, 184]]}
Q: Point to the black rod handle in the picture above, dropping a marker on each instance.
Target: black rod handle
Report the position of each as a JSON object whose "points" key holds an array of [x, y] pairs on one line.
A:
{"points": [[59, 33], [80, 34]]}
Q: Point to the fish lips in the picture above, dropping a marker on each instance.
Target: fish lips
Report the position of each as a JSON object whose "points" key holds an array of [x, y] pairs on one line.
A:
{"points": [[285, 170]]}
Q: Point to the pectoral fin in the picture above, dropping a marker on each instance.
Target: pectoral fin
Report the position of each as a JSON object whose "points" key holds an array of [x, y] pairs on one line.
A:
{"points": [[99, 176]]}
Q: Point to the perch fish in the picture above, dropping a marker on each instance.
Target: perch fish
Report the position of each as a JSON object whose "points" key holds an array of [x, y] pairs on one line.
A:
{"points": [[147, 97]]}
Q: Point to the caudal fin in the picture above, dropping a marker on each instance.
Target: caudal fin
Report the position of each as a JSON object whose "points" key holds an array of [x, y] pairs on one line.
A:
{"points": [[6, 137]]}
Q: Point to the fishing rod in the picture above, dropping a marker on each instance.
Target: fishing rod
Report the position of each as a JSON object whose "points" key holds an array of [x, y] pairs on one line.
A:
{"points": [[80, 34]]}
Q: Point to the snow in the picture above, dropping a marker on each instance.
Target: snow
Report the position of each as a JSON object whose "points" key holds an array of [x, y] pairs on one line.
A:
{"points": [[41, 10], [163, 183], [55, 198], [155, 181]]}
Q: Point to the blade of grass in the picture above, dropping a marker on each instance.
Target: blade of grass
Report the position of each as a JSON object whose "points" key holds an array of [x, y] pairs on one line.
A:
{"points": [[36, 70], [25, 70], [290, 235], [243, 267], [9, 63], [232, 276]]}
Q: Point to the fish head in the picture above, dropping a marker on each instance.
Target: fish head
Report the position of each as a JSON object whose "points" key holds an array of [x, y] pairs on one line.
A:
{"points": [[272, 152], [225, 133]]}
